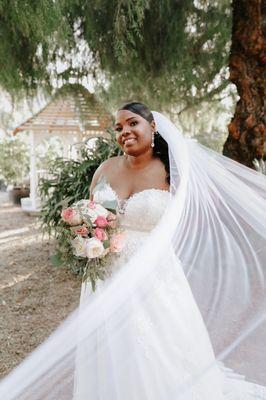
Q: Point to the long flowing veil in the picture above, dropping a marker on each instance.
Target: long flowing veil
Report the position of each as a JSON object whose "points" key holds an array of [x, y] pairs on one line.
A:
{"points": [[216, 223]]}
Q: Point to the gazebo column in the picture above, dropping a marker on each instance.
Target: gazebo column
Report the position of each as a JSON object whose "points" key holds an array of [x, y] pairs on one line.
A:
{"points": [[33, 172], [66, 142]]}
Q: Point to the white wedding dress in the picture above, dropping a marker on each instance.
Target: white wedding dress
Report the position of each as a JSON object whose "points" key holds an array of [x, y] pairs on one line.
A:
{"points": [[147, 355], [187, 291]]}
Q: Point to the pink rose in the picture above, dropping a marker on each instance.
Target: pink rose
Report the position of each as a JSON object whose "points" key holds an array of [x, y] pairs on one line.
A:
{"points": [[83, 231], [112, 224], [71, 216], [100, 234], [117, 242], [101, 222], [111, 216]]}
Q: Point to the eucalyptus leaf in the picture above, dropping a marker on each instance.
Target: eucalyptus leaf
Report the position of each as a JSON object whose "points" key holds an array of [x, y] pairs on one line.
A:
{"points": [[56, 260], [106, 244]]}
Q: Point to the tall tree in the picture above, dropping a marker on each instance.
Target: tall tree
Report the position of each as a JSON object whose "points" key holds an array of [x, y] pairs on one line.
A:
{"points": [[170, 53], [247, 130]]}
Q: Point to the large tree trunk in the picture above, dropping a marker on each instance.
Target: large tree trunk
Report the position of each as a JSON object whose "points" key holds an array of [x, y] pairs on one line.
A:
{"points": [[247, 65]]}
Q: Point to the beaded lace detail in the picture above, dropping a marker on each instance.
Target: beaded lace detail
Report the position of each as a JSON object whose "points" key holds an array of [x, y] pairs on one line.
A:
{"points": [[142, 209], [138, 214]]}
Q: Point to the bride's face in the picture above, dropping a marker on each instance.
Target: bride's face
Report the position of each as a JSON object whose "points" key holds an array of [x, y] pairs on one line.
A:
{"points": [[133, 133]]}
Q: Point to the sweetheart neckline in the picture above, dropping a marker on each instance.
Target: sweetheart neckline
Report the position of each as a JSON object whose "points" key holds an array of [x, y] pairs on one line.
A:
{"points": [[134, 194]]}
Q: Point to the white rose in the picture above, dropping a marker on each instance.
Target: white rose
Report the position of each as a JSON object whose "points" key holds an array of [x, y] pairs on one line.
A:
{"points": [[93, 213], [93, 248], [89, 213], [101, 211], [82, 203], [78, 246]]}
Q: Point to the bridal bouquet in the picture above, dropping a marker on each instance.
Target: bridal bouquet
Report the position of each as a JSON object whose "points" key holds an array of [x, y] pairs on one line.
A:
{"points": [[91, 237]]}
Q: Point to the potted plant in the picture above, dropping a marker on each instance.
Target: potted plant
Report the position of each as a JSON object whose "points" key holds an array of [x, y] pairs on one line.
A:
{"points": [[14, 167]]}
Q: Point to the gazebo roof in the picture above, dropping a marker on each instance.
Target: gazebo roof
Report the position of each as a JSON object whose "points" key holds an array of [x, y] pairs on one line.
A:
{"points": [[73, 109]]}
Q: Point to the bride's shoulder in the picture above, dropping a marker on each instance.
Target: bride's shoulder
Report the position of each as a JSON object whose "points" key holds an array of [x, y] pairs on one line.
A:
{"points": [[104, 168], [111, 162]]}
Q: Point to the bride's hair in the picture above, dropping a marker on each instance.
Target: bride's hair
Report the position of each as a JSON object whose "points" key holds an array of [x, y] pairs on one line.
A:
{"points": [[160, 148]]}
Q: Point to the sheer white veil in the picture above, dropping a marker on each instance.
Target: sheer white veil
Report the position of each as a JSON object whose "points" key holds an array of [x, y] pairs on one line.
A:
{"points": [[216, 223]]}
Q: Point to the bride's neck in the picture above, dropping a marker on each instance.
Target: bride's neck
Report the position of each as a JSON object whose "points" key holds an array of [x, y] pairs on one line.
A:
{"points": [[138, 162]]}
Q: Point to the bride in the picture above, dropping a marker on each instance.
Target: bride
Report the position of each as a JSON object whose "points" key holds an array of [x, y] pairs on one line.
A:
{"points": [[182, 312], [165, 342]]}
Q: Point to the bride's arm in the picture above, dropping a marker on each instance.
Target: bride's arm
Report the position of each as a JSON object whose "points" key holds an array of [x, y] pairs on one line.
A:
{"points": [[97, 175], [95, 178]]}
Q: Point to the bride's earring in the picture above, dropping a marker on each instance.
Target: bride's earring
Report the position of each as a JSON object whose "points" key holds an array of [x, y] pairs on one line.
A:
{"points": [[152, 139]]}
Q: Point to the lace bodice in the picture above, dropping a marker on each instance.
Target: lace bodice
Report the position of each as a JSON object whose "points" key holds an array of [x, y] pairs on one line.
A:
{"points": [[137, 215], [141, 211]]}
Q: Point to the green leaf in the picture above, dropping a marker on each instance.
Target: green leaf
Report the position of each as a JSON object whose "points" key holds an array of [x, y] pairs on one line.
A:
{"points": [[56, 260], [106, 244]]}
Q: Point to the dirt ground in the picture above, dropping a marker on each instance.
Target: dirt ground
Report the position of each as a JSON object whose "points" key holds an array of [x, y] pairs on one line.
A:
{"points": [[35, 296]]}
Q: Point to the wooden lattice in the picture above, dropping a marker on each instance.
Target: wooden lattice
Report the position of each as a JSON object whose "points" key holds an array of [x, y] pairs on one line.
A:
{"points": [[76, 112]]}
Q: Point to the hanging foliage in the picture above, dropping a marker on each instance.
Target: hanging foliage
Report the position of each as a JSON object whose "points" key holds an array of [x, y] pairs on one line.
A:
{"points": [[166, 53]]}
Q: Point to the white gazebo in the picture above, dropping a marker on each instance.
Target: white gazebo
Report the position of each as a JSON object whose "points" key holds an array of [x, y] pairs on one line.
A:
{"points": [[73, 115]]}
